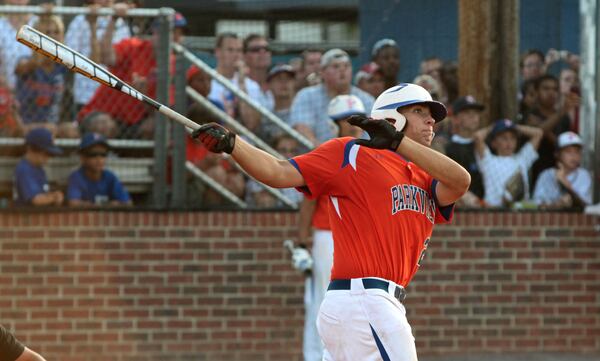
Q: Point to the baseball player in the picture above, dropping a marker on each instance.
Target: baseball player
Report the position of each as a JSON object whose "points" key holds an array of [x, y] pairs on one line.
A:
{"points": [[314, 214], [386, 193], [12, 350]]}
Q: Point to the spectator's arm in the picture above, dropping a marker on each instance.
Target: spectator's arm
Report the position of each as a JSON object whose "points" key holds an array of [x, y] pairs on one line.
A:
{"points": [[94, 43], [306, 131], [107, 52], [534, 134], [29, 355], [479, 138], [48, 198]]}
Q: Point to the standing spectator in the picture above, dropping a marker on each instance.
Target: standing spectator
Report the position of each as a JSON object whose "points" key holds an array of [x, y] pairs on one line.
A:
{"points": [[281, 81], [134, 61], [570, 89], [386, 54], [83, 35], [432, 66], [11, 51], [552, 117], [92, 184], [528, 100], [30, 182], [257, 57], [532, 64], [466, 117], [505, 173], [370, 79], [309, 108], [568, 185], [309, 73], [314, 224], [228, 52], [40, 81]]}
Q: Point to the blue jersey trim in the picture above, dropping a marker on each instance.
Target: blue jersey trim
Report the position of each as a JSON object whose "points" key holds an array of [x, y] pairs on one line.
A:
{"points": [[303, 189], [347, 149], [445, 211], [382, 350]]}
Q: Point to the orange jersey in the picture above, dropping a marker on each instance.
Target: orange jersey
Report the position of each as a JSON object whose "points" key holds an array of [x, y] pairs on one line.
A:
{"points": [[320, 219], [382, 208]]}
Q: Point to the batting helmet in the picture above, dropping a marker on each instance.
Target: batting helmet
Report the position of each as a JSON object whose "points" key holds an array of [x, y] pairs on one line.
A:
{"points": [[343, 106], [387, 104]]}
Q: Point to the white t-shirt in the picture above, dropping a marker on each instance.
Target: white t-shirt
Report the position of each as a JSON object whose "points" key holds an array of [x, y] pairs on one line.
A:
{"points": [[221, 94], [497, 170], [548, 189], [11, 51], [78, 37]]}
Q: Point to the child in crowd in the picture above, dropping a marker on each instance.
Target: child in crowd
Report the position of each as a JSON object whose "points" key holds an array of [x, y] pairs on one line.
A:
{"points": [[92, 184], [505, 173], [30, 183], [568, 185]]}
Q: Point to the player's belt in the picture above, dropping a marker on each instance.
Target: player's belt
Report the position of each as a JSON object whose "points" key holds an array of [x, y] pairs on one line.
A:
{"points": [[369, 283]]}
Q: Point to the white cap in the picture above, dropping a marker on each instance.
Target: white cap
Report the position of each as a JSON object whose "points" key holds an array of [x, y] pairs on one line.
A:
{"points": [[343, 106], [569, 138]]}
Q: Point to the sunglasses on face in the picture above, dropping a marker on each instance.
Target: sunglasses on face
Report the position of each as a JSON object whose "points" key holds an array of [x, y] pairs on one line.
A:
{"points": [[256, 49], [96, 155]]}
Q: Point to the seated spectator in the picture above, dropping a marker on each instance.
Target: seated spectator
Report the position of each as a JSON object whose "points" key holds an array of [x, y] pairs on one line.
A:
{"points": [[257, 196], [30, 181], [552, 117], [282, 83], [370, 79], [568, 185], [309, 72], [466, 118], [386, 54], [92, 184], [100, 123], [40, 81], [505, 173], [213, 164], [10, 123]]}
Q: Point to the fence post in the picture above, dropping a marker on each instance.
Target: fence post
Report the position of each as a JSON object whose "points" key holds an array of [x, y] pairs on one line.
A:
{"points": [[161, 123], [179, 136]]}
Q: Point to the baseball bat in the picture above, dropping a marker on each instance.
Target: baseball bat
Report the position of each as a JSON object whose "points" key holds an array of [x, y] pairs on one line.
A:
{"points": [[62, 54]]}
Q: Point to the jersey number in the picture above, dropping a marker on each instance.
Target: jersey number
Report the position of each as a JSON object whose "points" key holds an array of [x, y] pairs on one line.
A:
{"points": [[423, 252]]}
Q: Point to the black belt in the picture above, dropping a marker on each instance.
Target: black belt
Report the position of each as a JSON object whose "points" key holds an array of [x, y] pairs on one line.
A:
{"points": [[369, 283]]}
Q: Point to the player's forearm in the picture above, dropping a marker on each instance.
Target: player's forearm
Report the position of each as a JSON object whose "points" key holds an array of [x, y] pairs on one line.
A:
{"points": [[262, 166], [439, 166], [29, 355]]}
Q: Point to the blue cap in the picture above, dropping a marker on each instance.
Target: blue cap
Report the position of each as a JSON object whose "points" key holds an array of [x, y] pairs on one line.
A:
{"points": [[91, 139], [179, 21], [42, 138], [503, 125]]}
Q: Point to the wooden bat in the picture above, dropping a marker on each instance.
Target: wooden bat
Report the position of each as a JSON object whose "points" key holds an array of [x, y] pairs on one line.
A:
{"points": [[81, 64]]}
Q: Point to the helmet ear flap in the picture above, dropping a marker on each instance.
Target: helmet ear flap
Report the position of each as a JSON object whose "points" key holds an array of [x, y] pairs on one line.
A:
{"points": [[400, 121]]}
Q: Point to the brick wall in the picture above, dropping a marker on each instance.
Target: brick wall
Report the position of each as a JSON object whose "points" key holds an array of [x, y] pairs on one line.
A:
{"points": [[218, 286]]}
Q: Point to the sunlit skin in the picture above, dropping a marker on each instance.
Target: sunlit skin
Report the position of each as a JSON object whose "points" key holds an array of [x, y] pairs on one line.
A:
{"points": [[228, 56], [570, 157], [337, 77], [505, 143], [419, 123]]}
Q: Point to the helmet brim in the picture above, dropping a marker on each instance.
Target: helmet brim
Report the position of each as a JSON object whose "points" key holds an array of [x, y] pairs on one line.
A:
{"points": [[437, 109]]}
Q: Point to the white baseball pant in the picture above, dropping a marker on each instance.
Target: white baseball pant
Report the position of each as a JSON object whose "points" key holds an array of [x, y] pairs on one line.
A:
{"points": [[365, 324], [314, 292]]}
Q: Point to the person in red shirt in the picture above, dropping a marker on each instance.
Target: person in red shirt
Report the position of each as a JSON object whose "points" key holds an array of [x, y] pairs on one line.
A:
{"points": [[386, 194]]}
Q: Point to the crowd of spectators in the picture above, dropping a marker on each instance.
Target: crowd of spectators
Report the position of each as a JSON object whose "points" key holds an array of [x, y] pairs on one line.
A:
{"points": [[533, 160]]}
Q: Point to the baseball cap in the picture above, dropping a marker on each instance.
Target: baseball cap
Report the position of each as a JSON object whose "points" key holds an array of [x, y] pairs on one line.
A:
{"points": [[466, 102], [382, 43], [42, 138], [280, 68], [179, 21], [569, 138], [503, 125], [343, 106], [91, 139], [366, 72], [334, 55], [191, 72]]}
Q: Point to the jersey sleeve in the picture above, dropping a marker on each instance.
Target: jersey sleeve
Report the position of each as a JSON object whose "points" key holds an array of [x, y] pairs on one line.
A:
{"points": [[74, 187], [10, 347], [27, 185], [442, 214], [320, 166]]}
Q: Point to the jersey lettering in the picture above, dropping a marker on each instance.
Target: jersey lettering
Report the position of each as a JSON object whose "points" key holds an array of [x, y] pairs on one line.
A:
{"points": [[408, 197]]}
